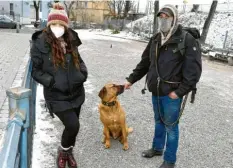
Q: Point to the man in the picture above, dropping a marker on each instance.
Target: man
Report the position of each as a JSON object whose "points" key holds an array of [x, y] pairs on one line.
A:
{"points": [[170, 76]]}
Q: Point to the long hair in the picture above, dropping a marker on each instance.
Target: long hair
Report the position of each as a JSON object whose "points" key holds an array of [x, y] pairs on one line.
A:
{"points": [[57, 50]]}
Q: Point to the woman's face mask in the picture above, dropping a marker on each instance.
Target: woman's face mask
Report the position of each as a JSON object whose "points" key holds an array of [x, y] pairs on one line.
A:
{"points": [[165, 24], [57, 30]]}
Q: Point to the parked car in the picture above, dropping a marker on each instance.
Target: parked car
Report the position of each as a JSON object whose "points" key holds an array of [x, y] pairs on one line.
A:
{"points": [[7, 22]]}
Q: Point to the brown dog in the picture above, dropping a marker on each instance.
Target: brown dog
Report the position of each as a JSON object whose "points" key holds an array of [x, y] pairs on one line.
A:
{"points": [[113, 116]]}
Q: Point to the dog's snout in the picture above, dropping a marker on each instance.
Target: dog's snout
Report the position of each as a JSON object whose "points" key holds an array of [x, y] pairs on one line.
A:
{"points": [[120, 89]]}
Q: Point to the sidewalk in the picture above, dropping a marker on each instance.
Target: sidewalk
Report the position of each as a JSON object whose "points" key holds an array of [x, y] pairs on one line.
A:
{"points": [[13, 48], [206, 134]]}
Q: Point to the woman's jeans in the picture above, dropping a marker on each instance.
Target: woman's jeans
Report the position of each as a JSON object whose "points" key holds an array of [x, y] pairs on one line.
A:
{"points": [[169, 112]]}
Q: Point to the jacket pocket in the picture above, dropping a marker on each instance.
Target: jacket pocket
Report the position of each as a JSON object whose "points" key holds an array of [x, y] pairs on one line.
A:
{"points": [[77, 78], [61, 81]]}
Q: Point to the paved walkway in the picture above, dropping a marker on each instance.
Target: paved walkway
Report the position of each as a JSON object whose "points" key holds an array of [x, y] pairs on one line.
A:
{"points": [[13, 48], [206, 134]]}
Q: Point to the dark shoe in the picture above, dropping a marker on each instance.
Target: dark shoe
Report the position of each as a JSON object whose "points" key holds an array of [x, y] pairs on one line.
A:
{"points": [[61, 158], [151, 153], [167, 165], [71, 161]]}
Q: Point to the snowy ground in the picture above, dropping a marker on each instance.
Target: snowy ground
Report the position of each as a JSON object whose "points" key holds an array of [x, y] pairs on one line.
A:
{"points": [[222, 22], [206, 135]]}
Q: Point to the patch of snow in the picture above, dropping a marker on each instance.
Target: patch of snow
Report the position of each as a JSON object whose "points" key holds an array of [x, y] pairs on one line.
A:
{"points": [[41, 137], [89, 88], [29, 26], [221, 23]]}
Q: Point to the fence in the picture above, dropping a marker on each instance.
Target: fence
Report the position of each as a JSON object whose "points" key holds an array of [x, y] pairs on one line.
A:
{"points": [[17, 144]]}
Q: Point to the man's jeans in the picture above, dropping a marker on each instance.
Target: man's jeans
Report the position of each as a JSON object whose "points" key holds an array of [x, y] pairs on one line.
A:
{"points": [[169, 111]]}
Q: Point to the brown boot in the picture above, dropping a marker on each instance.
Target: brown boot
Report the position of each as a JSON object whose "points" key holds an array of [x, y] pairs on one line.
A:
{"points": [[62, 158], [71, 161]]}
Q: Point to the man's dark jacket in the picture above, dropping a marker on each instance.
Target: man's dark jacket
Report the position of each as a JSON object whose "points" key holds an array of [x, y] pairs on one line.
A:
{"points": [[63, 87], [172, 66]]}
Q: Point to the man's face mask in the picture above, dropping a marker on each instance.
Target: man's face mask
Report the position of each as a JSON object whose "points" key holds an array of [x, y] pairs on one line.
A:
{"points": [[57, 30], [165, 24]]}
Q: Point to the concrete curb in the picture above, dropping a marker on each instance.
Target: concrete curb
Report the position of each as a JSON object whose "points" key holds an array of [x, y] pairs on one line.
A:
{"points": [[143, 41]]}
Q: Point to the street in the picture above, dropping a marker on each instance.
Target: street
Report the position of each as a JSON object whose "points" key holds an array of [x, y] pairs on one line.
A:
{"points": [[206, 134]]}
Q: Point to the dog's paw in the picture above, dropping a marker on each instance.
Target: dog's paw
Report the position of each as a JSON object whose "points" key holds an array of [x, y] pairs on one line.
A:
{"points": [[126, 147], [107, 145]]}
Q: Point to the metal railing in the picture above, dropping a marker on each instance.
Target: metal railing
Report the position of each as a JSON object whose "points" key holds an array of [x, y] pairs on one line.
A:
{"points": [[17, 145]]}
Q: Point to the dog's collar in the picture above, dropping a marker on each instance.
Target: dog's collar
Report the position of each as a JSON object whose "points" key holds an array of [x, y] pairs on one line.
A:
{"points": [[109, 103]]}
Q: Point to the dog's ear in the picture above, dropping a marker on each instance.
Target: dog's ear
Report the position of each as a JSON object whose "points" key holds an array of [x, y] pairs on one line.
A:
{"points": [[102, 92]]}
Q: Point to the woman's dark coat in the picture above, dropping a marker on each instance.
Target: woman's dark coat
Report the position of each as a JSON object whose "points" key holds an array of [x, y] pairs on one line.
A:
{"points": [[63, 88]]}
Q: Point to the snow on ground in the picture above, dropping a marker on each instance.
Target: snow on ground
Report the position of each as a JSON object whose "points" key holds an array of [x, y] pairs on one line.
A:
{"points": [[122, 34], [44, 133], [203, 122], [46, 137], [221, 23], [29, 26]]}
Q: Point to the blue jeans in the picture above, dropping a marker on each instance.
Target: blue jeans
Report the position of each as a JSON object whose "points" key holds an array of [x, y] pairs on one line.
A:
{"points": [[169, 111]]}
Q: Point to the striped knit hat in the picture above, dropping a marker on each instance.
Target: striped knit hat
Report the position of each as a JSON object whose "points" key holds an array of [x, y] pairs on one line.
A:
{"points": [[58, 15]]}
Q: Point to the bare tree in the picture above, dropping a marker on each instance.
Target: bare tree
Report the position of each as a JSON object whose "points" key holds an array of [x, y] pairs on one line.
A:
{"points": [[208, 21], [195, 8], [37, 7], [112, 7], [68, 6], [120, 6], [156, 10], [127, 8]]}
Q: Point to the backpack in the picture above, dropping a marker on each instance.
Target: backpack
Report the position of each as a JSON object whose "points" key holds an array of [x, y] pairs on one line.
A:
{"points": [[181, 46], [195, 33]]}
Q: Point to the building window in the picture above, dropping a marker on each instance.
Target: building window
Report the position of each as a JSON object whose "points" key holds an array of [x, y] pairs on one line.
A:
{"points": [[12, 10], [11, 7]]}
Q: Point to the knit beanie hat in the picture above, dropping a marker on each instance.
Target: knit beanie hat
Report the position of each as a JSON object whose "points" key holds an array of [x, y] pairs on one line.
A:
{"points": [[58, 15], [166, 11]]}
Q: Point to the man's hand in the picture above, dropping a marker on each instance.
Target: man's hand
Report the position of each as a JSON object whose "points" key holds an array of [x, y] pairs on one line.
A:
{"points": [[173, 95], [127, 85]]}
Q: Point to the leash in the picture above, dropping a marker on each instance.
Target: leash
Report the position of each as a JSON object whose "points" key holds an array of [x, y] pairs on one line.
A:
{"points": [[159, 79]]}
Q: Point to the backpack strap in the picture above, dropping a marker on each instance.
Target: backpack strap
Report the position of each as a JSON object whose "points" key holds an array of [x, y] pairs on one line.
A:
{"points": [[181, 46]]}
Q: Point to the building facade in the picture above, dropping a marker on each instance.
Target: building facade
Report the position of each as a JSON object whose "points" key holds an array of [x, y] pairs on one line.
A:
{"points": [[90, 11], [17, 10]]}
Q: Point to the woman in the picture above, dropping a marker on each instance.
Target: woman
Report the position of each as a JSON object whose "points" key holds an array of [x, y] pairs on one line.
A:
{"points": [[58, 66]]}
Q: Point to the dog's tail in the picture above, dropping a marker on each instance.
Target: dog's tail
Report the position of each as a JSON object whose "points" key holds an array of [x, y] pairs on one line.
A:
{"points": [[130, 129]]}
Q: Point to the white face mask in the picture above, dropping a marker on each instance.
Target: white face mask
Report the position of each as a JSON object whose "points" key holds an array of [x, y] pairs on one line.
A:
{"points": [[58, 31]]}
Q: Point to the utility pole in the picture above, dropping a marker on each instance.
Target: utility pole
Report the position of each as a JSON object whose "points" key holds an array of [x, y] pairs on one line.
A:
{"points": [[147, 7]]}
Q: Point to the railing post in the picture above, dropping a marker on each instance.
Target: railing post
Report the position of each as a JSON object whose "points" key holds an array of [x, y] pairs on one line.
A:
{"points": [[19, 108]]}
